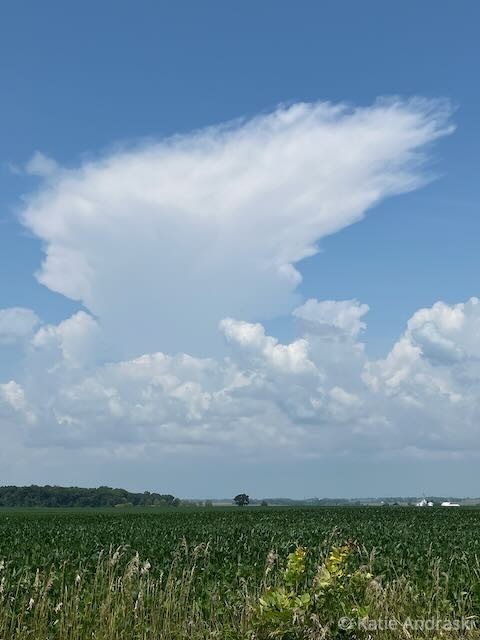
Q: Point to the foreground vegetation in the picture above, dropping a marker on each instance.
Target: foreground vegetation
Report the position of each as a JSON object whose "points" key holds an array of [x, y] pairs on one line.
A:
{"points": [[236, 573]]}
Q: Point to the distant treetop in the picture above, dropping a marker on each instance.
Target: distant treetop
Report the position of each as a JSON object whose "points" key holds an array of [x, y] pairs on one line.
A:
{"points": [[241, 499]]}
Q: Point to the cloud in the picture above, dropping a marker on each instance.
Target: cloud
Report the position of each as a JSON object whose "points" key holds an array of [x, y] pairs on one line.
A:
{"points": [[41, 165], [252, 339], [161, 242], [440, 340], [265, 395], [13, 403], [430, 381], [315, 396], [344, 316], [16, 324], [74, 340]]}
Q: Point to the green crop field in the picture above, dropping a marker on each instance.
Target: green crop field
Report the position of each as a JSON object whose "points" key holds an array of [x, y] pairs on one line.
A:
{"points": [[225, 573]]}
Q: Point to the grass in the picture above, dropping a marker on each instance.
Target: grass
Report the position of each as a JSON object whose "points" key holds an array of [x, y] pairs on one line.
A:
{"points": [[205, 573]]}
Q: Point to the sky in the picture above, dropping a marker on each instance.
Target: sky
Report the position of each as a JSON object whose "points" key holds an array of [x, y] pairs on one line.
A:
{"points": [[239, 247]]}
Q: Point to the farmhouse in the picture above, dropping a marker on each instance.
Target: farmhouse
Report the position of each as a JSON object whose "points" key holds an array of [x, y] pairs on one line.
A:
{"points": [[424, 503]]}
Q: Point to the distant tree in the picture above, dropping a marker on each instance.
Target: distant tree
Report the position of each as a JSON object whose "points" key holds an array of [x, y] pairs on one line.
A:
{"points": [[208, 504], [264, 503], [241, 500]]}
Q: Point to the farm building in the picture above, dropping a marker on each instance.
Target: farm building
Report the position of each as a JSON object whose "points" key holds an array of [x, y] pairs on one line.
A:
{"points": [[424, 503]]}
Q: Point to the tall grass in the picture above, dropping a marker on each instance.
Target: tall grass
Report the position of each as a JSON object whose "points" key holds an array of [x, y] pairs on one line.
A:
{"points": [[122, 597]]}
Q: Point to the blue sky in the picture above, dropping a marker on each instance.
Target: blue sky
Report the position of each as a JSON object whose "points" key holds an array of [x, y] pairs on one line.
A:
{"points": [[87, 82]]}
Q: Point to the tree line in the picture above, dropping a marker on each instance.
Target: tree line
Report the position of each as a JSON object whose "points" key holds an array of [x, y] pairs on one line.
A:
{"points": [[53, 496]]}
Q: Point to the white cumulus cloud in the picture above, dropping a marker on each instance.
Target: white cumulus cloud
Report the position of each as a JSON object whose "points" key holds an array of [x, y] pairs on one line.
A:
{"points": [[316, 395], [75, 338], [16, 324], [344, 316]]}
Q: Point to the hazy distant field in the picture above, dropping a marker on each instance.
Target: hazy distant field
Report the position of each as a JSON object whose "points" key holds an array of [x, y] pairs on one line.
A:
{"points": [[201, 572]]}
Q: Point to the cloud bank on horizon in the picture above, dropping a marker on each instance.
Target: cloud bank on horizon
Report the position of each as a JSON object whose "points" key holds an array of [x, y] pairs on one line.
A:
{"points": [[175, 246]]}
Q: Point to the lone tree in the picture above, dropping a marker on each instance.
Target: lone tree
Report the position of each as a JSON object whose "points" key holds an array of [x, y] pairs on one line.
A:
{"points": [[241, 500]]}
